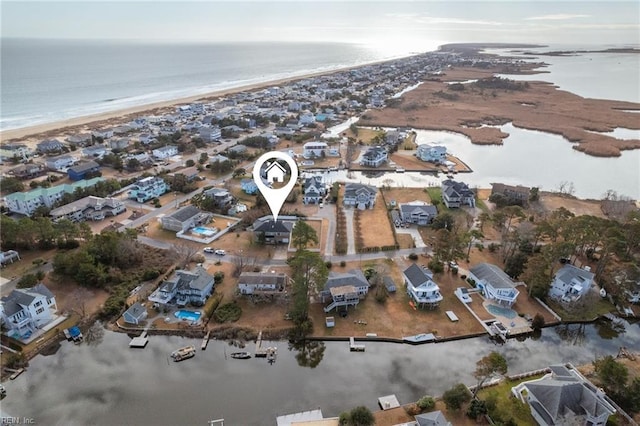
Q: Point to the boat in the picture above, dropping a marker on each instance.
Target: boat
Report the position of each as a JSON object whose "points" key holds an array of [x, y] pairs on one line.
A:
{"points": [[183, 353], [3, 391], [240, 355]]}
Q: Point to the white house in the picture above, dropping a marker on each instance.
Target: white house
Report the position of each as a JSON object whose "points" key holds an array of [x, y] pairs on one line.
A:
{"points": [[165, 152], [432, 153], [314, 149], [88, 208], [570, 283], [564, 397], [421, 287], [147, 188], [275, 172], [261, 283], [494, 283], [185, 287], [375, 156], [60, 162], [25, 311], [210, 134], [359, 195], [314, 190], [456, 194]]}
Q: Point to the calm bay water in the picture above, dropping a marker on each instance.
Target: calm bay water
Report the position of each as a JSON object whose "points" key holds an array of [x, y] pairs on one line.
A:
{"points": [[110, 384]]}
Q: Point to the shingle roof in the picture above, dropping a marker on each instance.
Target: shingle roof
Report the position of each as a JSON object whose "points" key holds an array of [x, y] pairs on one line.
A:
{"points": [[83, 167], [492, 275], [416, 275], [136, 310], [568, 272], [353, 189], [409, 209], [273, 226], [185, 213], [256, 278], [354, 277]]}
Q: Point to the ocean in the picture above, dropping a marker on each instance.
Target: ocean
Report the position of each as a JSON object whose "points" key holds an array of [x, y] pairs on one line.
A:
{"points": [[45, 81]]}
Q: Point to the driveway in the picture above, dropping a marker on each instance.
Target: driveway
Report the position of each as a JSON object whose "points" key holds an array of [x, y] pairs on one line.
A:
{"points": [[413, 231], [328, 212], [351, 240]]}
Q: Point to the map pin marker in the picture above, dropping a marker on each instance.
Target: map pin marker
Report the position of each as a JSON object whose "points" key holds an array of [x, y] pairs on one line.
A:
{"points": [[275, 173]]}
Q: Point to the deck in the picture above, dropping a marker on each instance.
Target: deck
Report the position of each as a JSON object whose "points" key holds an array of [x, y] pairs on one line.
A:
{"points": [[355, 347]]}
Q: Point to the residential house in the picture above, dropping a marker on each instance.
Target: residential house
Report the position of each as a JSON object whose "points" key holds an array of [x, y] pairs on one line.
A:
{"points": [[120, 143], [564, 397], [513, 194], [284, 131], [432, 153], [24, 311], [185, 218], [314, 190], [135, 314], [494, 283], [421, 287], [80, 139], [103, 133], [249, 186], [432, 418], [210, 134], [218, 158], [60, 163], [237, 150], [374, 156], [28, 171], [456, 194], [268, 231], [148, 188], [81, 170], [306, 118], [88, 208], [165, 152], [221, 197], [359, 195], [146, 138], [570, 283], [185, 287], [11, 151], [261, 283], [27, 202], [314, 149], [95, 151], [418, 212], [50, 145], [344, 289], [190, 174], [275, 172]]}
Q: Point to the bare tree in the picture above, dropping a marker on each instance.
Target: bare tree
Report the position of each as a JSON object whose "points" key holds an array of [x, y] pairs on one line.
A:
{"points": [[243, 264], [78, 301], [184, 253]]}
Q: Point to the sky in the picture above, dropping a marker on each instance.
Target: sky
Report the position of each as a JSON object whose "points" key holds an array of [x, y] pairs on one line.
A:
{"points": [[382, 23]]}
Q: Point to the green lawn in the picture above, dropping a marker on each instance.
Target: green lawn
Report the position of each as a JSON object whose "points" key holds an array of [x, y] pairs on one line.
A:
{"points": [[503, 406], [586, 313]]}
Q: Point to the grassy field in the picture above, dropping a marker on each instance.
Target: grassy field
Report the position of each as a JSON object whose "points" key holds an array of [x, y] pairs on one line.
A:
{"points": [[507, 407], [374, 236]]}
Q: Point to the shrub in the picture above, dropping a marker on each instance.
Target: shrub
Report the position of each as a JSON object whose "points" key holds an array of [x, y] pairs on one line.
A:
{"points": [[538, 322], [27, 281], [343, 263], [218, 277], [455, 397], [412, 409], [381, 294], [413, 256], [328, 264], [150, 274], [436, 266], [228, 312], [426, 403]]}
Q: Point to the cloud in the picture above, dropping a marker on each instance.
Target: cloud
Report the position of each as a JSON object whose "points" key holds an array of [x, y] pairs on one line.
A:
{"points": [[436, 20], [556, 17]]}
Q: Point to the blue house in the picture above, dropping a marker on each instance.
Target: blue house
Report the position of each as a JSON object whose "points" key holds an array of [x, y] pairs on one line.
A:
{"points": [[81, 170], [249, 186]]}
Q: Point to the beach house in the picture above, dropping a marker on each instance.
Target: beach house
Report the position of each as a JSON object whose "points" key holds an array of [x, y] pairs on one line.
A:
{"points": [[359, 196], [28, 171], [494, 283], [417, 212], [135, 314], [263, 283], [49, 146], [9, 256], [185, 287], [221, 197], [421, 287], [314, 149], [249, 186], [571, 283], [564, 397], [165, 152], [82, 170], [88, 208], [24, 311], [517, 194], [61, 162], [456, 194], [432, 153], [374, 156], [147, 188], [344, 289]]}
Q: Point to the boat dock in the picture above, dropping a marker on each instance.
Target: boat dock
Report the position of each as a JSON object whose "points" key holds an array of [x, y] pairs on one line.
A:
{"points": [[140, 341], [15, 373], [388, 402], [269, 352], [354, 347], [205, 341]]}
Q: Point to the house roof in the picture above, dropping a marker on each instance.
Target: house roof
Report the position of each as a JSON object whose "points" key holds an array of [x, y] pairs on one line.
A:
{"points": [[14, 302], [256, 278], [185, 213], [434, 418], [272, 226], [568, 273], [492, 275], [85, 166], [423, 208], [354, 189], [136, 310], [451, 187], [43, 290], [354, 277], [417, 275]]}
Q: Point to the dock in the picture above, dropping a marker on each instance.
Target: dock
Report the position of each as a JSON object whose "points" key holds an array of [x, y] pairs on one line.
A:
{"points": [[16, 373], [140, 341], [388, 402], [269, 352], [354, 347], [205, 341]]}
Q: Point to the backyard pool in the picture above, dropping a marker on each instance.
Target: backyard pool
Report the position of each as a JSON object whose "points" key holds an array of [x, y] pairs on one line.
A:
{"points": [[504, 312], [203, 230], [188, 315]]}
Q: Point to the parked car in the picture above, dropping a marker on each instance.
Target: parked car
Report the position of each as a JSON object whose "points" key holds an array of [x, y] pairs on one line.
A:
{"points": [[220, 252], [209, 250]]}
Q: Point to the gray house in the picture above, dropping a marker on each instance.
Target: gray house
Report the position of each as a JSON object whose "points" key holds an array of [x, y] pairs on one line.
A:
{"points": [[354, 278], [433, 418], [185, 218], [185, 287], [268, 231], [456, 194], [135, 314], [359, 195], [261, 283], [418, 212]]}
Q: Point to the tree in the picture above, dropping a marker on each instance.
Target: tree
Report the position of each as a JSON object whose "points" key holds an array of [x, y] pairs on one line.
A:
{"points": [[472, 236], [444, 221], [11, 185], [184, 253], [309, 273], [487, 367], [358, 416], [426, 403], [455, 397], [239, 172], [538, 322], [612, 374], [477, 408], [516, 264], [204, 157], [190, 163], [303, 234]]}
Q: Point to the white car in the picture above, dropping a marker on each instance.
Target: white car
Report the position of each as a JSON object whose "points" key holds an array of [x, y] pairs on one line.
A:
{"points": [[209, 250], [220, 252]]}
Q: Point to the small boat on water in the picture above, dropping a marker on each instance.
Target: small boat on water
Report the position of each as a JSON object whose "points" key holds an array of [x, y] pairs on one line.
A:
{"points": [[240, 355], [183, 353]]}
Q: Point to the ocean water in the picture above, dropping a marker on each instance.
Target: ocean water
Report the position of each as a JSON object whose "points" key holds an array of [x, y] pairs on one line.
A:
{"points": [[50, 80]]}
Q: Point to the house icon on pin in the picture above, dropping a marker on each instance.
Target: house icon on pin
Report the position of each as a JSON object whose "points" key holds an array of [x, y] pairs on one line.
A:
{"points": [[275, 172]]}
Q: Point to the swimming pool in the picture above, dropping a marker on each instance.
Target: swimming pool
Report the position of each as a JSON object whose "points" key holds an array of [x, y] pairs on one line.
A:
{"points": [[504, 312], [188, 315], [203, 230]]}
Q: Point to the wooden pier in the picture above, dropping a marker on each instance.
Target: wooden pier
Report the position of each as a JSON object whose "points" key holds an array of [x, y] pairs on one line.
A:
{"points": [[354, 347], [140, 341], [205, 341], [16, 373], [270, 352]]}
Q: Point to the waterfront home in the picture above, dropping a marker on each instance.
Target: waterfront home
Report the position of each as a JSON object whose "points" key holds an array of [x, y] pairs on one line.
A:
{"points": [[88, 208], [185, 287], [95, 151], [147, 188], [456, 194], [80, 139], [433, 418], [221, 197], [185, 218], [359, 195], [103, 133], [14, 151], [432, 153], [210, 134], [421, 287], [135, 314], [512, 194], [268, 231], [284, 131], [28, 171], [570, 283], [313, 189], [9, 256], [262, 283], [249, 186], [27, 202], [165, 152], [374, 156], [81, 170], [49, 146], [417, 212], [307, 418], [563, 397], [314, 149], [354, 278], [494, 283], [24, 311], [60, 163]]}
